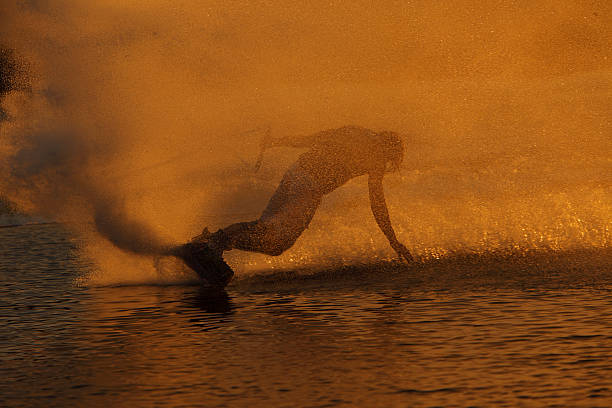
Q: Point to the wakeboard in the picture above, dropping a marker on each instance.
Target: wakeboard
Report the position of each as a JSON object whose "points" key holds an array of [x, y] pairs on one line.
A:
{"points": [[209, 265]]}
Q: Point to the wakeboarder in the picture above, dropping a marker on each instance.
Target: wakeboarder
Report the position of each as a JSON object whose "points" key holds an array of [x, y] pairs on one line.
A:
{"points": [[333, 158]]}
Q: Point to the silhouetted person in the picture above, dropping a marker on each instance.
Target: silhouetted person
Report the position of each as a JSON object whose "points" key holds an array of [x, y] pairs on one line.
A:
{"points": [[334, 157]]}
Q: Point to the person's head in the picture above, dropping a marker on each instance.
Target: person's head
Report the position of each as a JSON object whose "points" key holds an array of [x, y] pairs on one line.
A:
{"points": [[393, 149]]}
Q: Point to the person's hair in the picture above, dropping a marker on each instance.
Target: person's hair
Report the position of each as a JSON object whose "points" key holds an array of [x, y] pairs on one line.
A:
{"points": [[393, 149]]}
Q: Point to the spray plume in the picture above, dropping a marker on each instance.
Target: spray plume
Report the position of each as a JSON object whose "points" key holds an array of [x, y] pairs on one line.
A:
{"points": [[131, 128]]}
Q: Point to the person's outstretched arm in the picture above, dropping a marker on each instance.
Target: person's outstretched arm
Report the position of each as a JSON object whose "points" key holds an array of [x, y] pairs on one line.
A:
{"points": [[304, 141], [307, 141], [339, 135], [381, 214]]}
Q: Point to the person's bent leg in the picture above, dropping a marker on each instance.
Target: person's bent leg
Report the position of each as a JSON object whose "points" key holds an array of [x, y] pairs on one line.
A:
{"points": [[286, 216], [272, 234], [251, 236], [255, 236]]}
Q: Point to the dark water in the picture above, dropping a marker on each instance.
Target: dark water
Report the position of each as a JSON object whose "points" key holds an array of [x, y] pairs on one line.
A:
{"points": [[530, 330]]}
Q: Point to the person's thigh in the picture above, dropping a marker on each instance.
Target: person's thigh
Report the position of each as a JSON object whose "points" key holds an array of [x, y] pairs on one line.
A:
{"points": [[286, 224]]}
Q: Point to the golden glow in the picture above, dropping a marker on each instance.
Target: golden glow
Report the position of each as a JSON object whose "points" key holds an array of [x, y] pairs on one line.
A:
{"points": [[505, 108]]}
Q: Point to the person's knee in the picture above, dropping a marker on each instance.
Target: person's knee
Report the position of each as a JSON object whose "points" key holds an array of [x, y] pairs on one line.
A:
{"points": [[276, 243], [274, 250], [276, 247]]}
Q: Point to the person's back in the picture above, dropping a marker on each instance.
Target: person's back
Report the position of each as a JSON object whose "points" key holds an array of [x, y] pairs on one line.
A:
{"points": [[338, 155]]}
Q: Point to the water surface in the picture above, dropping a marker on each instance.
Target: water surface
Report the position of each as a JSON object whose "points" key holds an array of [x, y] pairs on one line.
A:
{"points": [[465, 331]]}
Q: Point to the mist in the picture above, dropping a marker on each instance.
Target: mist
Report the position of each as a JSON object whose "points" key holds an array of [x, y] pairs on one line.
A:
{"points": [[140, 123]]}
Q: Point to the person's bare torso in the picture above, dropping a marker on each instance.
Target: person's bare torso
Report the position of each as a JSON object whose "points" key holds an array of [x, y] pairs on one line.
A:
{"points": [[340, 155]]}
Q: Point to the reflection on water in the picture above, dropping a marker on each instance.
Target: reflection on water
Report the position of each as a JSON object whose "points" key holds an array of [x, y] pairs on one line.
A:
{"points": [[387, 337]]}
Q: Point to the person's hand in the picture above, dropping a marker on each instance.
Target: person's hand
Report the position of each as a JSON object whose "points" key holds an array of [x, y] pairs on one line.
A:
{"points": [[402, 251]]}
